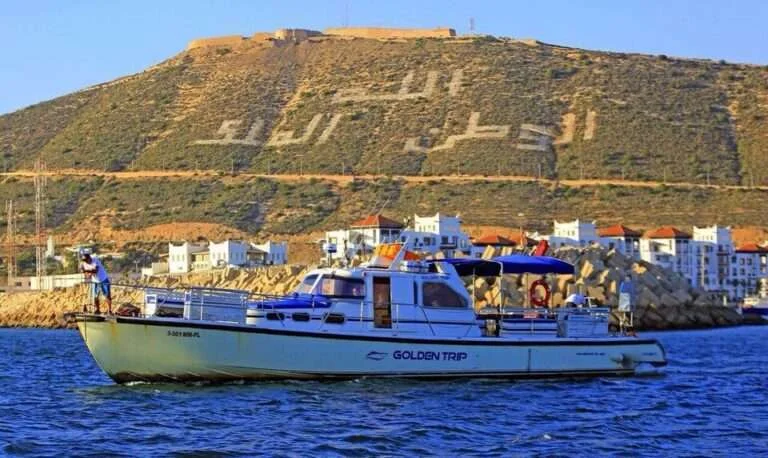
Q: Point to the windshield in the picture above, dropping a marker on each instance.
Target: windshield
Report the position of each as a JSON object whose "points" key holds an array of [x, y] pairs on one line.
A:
{"points": [[306, 285], [341, 287]]}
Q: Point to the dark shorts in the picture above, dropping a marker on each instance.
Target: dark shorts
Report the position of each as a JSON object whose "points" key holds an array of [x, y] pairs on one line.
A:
{"points": [[102, 288]]}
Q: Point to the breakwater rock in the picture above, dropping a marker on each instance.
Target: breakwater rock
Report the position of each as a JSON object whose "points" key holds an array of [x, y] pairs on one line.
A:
{"points": [[664, 299]]}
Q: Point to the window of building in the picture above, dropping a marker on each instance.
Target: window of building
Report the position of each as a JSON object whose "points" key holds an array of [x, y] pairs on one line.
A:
{"points": [[436, 294]]}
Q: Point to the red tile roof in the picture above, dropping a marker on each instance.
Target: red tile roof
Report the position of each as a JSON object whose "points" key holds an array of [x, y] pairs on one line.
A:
{"points": [[494, 239], [521, 239], [617, 230], [377, 221], [751, 248], [667, 232]]}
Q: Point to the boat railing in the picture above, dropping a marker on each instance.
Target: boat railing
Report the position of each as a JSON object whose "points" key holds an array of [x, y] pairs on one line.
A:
{"points": [[535, 320], [187, 302], [215, 304]]}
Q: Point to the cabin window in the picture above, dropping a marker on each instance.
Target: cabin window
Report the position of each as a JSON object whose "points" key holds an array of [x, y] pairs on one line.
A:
{"points": [[306, 285], [441, 295], [341, 287]]}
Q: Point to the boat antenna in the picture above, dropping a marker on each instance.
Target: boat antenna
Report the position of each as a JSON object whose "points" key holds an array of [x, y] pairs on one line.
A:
{"points": [[383, 206]]}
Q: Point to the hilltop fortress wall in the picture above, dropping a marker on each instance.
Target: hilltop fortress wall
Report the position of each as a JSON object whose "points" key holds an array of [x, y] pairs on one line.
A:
{"points": [[378, 32], [298, 35], [229, 40]]}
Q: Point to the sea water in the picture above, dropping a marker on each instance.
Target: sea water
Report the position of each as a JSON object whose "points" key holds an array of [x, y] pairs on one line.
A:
{"points": [[711, 401]]}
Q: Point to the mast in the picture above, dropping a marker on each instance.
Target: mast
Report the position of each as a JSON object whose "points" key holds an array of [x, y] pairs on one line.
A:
{"points": [[10, 236], [40, 242]]}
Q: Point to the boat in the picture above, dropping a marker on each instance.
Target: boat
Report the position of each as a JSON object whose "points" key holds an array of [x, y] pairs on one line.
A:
{"points": [[755, 307], [396, 316]]}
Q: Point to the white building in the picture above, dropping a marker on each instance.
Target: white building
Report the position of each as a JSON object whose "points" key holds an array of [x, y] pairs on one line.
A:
{"points": [[362, 236], [229, 253], [714, 249], [181, 257], [431, 234], [269, 253], [188, 257], [621, 238], [749, 269], [574, 233], [156, 268], [671, 248]]}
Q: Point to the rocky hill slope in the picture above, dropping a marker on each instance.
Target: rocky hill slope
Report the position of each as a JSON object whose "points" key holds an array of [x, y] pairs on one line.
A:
{"points": [[421, 106]]}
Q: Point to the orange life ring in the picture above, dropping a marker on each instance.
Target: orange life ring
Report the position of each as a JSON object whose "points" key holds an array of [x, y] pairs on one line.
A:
{"points": [[535, 299]]}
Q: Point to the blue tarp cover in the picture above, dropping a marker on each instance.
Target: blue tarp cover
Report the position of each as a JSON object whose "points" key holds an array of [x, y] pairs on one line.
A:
{"points": [[512, 264], [293, 301]]}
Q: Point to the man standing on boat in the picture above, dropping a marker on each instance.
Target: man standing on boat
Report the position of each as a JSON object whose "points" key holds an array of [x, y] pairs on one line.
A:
{"points": [[94, 270]]}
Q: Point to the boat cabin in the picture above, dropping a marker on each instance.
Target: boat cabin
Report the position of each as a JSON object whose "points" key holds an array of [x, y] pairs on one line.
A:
{"points": [[398, 296]]}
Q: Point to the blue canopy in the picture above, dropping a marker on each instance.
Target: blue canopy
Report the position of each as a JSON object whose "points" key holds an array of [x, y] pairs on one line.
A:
{"points": [[512, 264], [518, 264]]}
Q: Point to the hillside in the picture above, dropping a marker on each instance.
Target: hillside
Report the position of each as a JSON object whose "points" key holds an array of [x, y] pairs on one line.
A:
{"points": [[418, 106]]}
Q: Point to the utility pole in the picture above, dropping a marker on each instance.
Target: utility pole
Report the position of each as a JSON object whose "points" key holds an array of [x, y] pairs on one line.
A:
{"points": [[40, 182], [10, 235]]}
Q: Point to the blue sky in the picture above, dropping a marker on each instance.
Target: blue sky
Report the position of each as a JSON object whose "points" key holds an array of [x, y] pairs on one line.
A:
{"points": [[51, 48]]}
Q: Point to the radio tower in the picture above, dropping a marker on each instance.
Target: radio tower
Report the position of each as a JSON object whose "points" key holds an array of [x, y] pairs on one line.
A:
{"points": [[40, 220], [9, 238]]}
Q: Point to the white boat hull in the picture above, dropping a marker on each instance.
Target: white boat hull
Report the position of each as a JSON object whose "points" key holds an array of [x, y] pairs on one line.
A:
{"points": [[137, 349]]}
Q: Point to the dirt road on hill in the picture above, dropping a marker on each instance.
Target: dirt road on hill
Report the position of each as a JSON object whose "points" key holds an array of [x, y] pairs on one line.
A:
{"points": [[207, 174]]}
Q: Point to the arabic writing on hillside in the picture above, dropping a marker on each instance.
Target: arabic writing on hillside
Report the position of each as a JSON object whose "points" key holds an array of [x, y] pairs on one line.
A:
{"points": [[531, 137]]}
